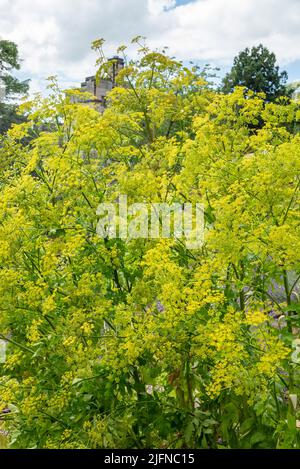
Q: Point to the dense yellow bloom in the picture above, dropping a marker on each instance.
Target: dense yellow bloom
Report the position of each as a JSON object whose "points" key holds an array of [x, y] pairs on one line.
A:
{"points": [[33, 333], [255, 318]]}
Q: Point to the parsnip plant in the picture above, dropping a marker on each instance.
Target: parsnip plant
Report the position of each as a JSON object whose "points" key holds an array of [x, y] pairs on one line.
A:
{"points": [[140, 342]]}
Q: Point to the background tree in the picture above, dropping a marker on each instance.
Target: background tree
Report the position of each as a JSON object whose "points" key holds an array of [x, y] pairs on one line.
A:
{"points": [[256, 69], [10, 87]]}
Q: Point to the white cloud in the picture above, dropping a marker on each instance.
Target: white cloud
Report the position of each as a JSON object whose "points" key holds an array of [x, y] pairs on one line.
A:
{"points": [[218, 29], [54, 36]]}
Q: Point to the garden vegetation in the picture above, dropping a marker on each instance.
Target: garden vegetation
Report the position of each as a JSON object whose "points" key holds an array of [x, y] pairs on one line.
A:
{"points": [[143, 343]]}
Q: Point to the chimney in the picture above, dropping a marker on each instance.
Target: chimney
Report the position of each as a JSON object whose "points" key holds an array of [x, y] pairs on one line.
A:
{"points": [[117, 63]]}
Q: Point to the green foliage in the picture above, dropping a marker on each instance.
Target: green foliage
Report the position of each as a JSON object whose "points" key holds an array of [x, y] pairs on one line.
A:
{"points": [[257, 71], [142, 343], [11, 87]]}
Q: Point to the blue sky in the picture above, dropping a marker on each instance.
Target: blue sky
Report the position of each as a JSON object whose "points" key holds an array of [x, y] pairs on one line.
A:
{"points": [[54, 36], [293, 70], [183, 2]]}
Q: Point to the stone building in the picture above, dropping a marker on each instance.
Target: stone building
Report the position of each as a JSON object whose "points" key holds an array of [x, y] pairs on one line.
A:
{"points": [[101, 89]]}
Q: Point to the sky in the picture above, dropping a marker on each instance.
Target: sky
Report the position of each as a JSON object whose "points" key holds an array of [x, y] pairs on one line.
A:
{"points": [[54, 36]]}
